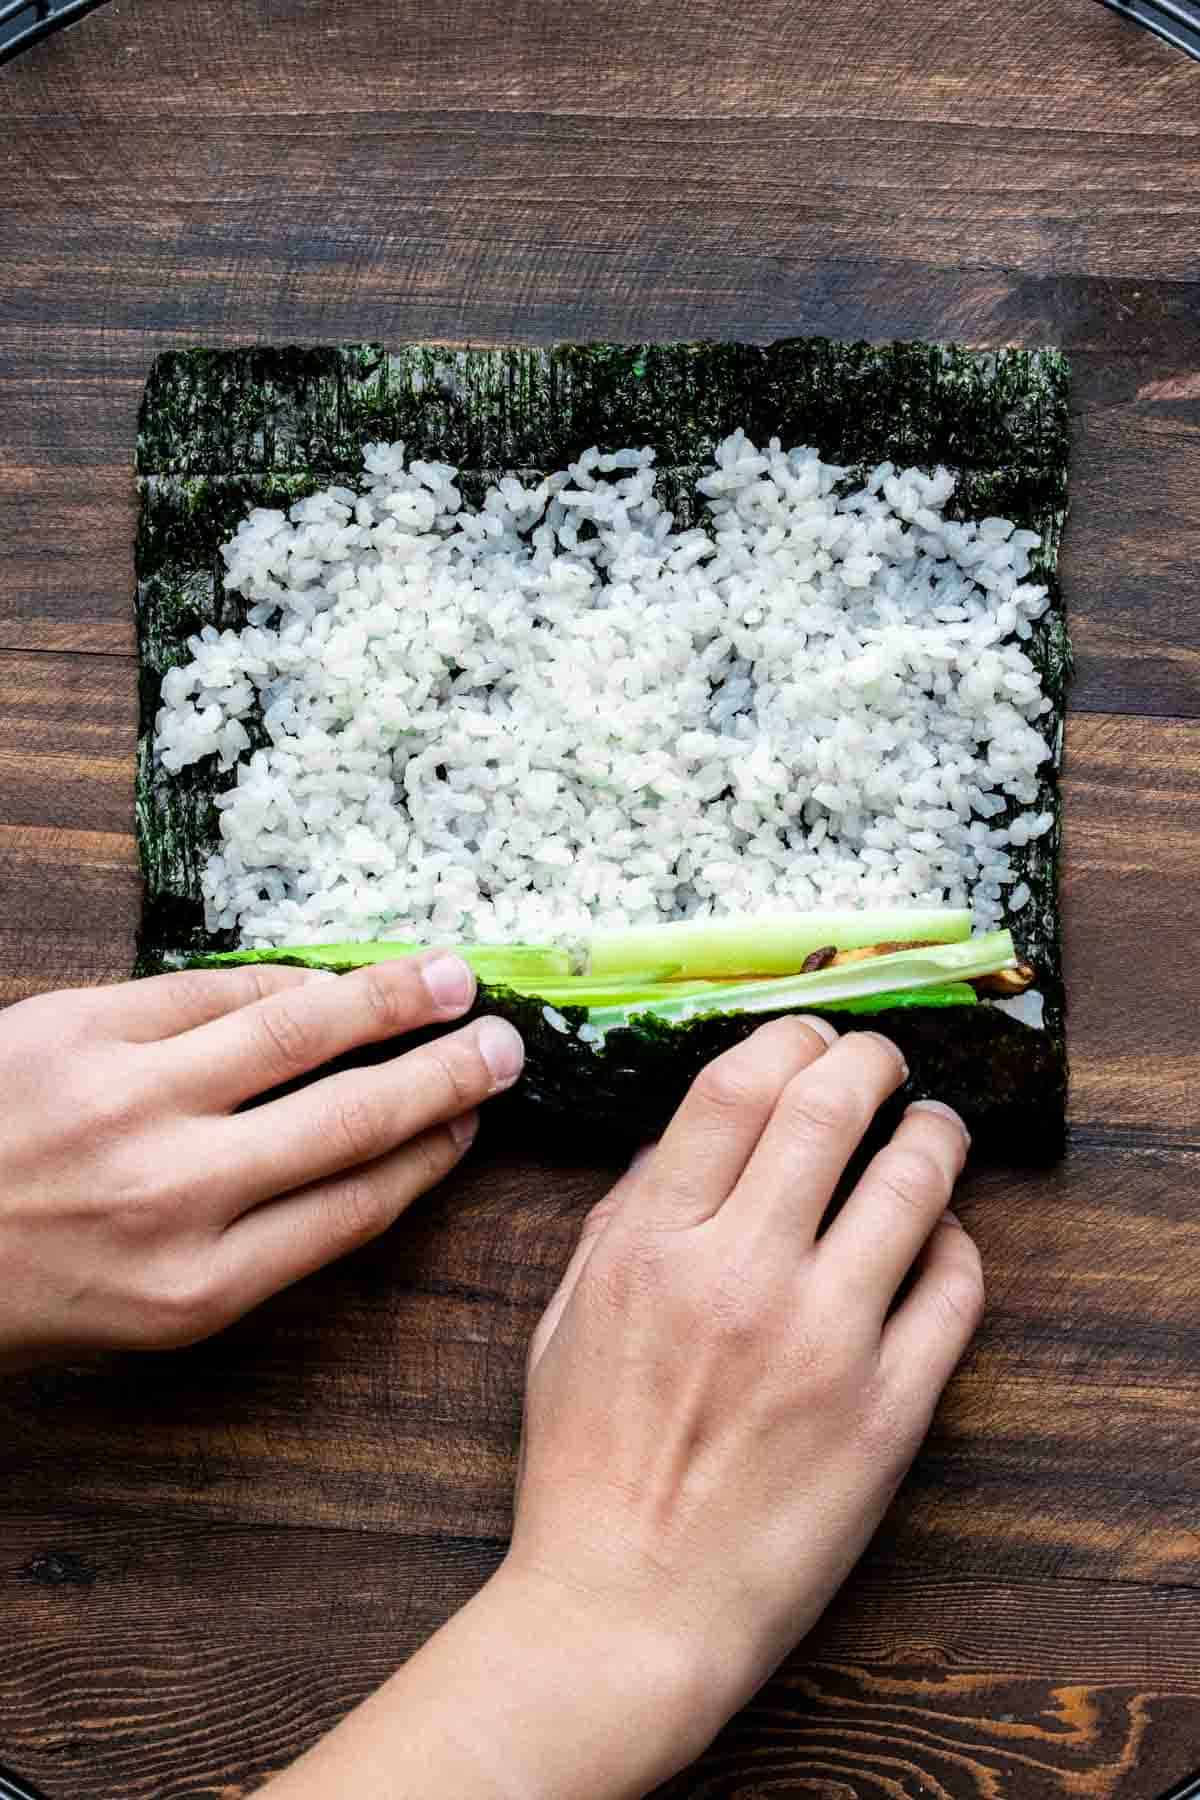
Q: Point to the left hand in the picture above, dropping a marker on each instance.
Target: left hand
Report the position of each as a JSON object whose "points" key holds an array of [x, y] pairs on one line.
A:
{"points": [[142, 1207]]}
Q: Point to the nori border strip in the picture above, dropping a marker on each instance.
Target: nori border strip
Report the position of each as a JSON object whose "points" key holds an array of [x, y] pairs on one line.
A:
{"points": [[222, 431], [263, 411]]}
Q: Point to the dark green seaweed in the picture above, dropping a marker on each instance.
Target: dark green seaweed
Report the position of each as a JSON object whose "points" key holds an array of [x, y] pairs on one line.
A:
{"points": [[1009, 1082], [222, 431]]}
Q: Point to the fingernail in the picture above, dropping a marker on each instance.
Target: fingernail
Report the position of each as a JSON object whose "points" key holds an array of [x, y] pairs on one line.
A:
{"points": [[502, 1050], [894, 1048], [943, 1111], [952, 1218], [463, 1129], [822, 1027], [322, 974], [450, 982], [641, 1155]]}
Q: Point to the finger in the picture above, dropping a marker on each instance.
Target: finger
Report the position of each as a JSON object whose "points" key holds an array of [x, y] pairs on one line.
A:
{"points": [[353, 1117], [143, 1012], [903, 1193], [817, 1124], [290, 1033], [289, 1238], [925, 1337], [594, 1226], [710, 1140]]}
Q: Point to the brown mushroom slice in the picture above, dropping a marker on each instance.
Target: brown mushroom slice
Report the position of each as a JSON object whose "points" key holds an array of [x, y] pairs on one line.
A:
{"points": [[819, 959], [869, 950], [1006, 984]]}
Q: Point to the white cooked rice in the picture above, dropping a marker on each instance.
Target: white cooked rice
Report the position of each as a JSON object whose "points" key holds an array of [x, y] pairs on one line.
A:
{"points": [[560, 710]]}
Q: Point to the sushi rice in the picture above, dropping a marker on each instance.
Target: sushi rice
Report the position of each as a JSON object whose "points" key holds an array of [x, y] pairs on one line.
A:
{"points": [[563, 711]]}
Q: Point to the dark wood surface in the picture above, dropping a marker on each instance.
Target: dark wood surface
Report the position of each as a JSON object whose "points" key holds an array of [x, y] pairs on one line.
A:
{"points": [[206, 1558]]}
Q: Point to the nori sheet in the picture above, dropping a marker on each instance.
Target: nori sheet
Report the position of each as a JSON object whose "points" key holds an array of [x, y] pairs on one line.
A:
{"points": [[221, 431]]}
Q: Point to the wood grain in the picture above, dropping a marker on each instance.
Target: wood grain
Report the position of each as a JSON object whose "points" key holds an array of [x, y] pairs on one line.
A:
{"points": [[204, 1559], [1130, 911], [913, 1684], [384, 1395], [1050, 65], [758, 193]]}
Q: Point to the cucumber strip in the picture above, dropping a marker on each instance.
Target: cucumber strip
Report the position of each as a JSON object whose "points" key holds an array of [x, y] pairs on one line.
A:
{"points": [[624, 962], [518, 966], [774, 944]]}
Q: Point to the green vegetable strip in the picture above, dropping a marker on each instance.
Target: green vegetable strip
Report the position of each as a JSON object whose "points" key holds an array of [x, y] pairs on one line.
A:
{"points": [[955, 993], [771, 945], [515, 965], [897, 972], [517, 969], [598, 994], [623, 966]]}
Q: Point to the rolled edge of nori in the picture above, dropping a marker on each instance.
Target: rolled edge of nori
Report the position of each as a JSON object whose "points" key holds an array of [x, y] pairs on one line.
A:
{"points": [[1006, 1079], [221, 431]]}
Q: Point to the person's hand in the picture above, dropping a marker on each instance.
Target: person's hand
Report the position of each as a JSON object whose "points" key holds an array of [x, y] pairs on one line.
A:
{"points": [[721, 1401], [140, 1208]]}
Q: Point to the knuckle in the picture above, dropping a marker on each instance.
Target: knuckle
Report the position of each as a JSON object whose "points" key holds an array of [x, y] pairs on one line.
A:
{"points": [[822, 1369], [790, 1037], [435, 1154], [912, 1178], [151, 1192], [285, 1036], [732, 1085], [387, 999], [821, 1349], [260, 985], [139, 1212], [356, 1128], [735, 1309], [183, 991], [188, 988], [107, 1109], [360, 1209], [887, 1429], [959, 1296], [249, 983], [752, 1077], [461, 1072], [149, 1204], [631, 1272], [876, 1059], [817, 1112], [183, 1306]]}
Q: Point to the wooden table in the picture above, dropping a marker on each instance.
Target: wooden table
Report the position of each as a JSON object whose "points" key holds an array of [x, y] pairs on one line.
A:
{"points": [[205, 1558]]}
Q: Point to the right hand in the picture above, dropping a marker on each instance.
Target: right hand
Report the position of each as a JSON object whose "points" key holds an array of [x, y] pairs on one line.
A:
{"points": [[722, 1399], [141, 1207]]}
